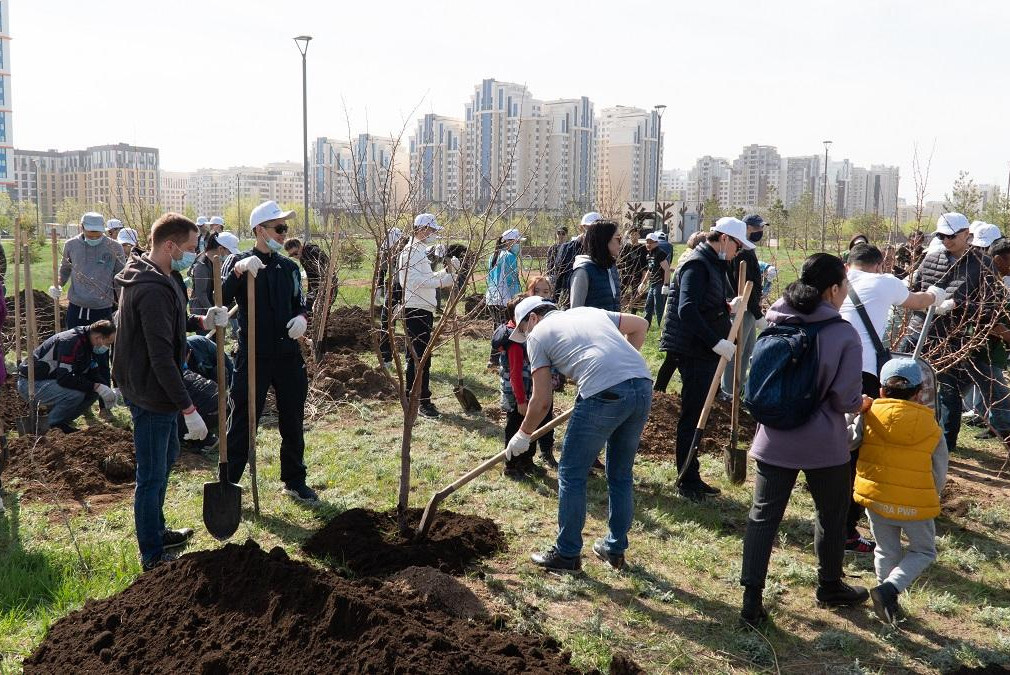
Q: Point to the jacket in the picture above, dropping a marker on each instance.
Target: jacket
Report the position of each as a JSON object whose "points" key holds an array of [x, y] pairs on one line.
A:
{"points": [[602, 287], [564, 263], [966, 285], [697, 315], [513, 368], [151, 341], [91, 270], [67, 358], [316, 264], [202, 274], [418, 281], [753, 274], [279, 299], [894, 473], [822, 441], [502, 278]]}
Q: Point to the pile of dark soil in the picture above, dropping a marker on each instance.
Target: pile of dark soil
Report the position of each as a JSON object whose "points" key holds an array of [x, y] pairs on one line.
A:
{"points": [[439, 590], [57, 466], [480, 329], [348, 329], [475, 308], [43, 318], [622, 664], [368, 543], [239, 609], [345, 377], [660, 434], [12, 406]]}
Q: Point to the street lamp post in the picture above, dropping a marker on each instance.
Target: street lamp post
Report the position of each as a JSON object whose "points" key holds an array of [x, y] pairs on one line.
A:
{"points": [[824, 198], [303, 47], [38, 197], [659, 166]]}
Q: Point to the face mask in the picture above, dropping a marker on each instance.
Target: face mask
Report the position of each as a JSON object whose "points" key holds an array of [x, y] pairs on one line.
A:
{"points": [[101, 349], [94, 242], [756, 236], [514, 249], [184, 263], [274, 245]]}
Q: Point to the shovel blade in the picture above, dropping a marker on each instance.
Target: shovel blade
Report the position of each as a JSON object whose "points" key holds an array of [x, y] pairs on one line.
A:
{"points": [[32, 425], [467, 400], [222, 508]]}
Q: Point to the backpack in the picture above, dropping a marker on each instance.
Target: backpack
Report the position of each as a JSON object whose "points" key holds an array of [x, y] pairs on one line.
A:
{"points": [[781, 388]]}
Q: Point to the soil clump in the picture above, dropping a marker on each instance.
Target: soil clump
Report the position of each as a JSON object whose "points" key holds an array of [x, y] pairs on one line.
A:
{"points": [[241, 609], [348, 329], [439, 590], [660, 434], [346, 377], [370, 543]]}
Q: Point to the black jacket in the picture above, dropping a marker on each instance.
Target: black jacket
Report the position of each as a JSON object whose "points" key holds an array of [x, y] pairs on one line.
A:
{"points": [[753, 274], [315, 264], [66, 357], [966, 285], [697, 314], [279, 299]]}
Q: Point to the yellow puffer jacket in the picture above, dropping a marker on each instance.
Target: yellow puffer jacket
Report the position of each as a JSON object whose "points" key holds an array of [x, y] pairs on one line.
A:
{"points": [[894, 474]]}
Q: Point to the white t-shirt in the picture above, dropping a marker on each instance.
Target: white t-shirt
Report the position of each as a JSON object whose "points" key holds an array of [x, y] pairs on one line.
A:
{"points": [[585, 345], [879, 292]]}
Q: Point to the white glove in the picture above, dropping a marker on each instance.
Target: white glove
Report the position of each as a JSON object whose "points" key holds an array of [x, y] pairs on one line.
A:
{"points": [[944, 307], [196, 428], [736, 304], [55, 292], [761, 323], [296, 327], [107, 395], [216, 317], [252, 264], [666, 289], [452, 265], [725, 349], [641, 288], [519, 444], [938, 294]]}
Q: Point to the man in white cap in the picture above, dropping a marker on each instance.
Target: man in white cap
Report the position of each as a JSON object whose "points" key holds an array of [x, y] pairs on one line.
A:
{"points": [[419, 284], [564, 264], [201, 226], [600, 351], [202, 272], [315, 263], [281, 321], [128, 239], [112, 228], [698, 320], [655, 279]]}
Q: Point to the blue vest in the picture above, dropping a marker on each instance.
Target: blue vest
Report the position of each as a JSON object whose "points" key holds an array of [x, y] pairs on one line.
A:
{"points": [[600, 293], [678, 337]]}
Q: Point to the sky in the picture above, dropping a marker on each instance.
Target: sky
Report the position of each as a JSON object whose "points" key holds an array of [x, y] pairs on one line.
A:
{"points": [[217, 83]]}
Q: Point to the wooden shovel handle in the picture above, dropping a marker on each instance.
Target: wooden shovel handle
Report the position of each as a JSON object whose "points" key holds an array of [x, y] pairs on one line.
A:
{"points": [[222, 386], [56, 280], [713, 389]]}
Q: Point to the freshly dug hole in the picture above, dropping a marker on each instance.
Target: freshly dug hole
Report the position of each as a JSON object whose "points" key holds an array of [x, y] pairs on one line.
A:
{"points": [[660, 434]]}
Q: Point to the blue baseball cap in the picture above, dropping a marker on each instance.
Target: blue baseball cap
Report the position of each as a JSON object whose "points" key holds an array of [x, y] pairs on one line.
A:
{"points": [[905, 368]]}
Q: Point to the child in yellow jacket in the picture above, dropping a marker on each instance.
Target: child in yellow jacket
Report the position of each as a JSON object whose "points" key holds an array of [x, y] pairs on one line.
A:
{"points": [[899, 476]]}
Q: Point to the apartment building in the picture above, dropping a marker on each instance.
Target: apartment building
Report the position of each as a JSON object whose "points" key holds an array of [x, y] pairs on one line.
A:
{"points": [[625, 159], [174, 186], [366, 173], [799, 176], [673, 185], [569, 147], [210, 191], [755, 176], [436, 153], [710, 179], [6, 124]]}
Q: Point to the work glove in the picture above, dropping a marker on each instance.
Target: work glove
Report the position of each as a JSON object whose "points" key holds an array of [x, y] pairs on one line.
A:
{"points": [[666, 289], [55, 292], [725, 349], [761, 323], [296, 327], [944, 307], [519, 444], [452, 265], [736, 304], [196, 428], [107, 395], [216, 317], [938, 294], [252, 264]]}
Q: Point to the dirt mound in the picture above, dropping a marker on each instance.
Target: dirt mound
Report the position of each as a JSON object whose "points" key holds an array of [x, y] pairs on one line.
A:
{"points": [[346, 377], [348, 329], [480, 329], [660, 434], [621, 664], [43, 318], [239, 609], [12, 406], [369, 543], [439, 590], [57, 466]]}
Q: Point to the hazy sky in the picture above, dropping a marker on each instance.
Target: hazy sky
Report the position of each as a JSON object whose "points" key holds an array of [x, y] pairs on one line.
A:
{"points": [[214, 83]]}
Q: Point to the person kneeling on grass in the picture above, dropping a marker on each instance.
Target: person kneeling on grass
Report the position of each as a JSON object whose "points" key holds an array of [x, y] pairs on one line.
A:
{"points": [[899, 476], [599, 350]]}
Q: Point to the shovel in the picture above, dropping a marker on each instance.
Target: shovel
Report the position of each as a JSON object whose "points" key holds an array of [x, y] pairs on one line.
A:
{"points": [[35, 423], [56, 281], [250, 340], [736, 459], [429, 511], [222, 501], [714, 387], [4, 457], [466, 398]]}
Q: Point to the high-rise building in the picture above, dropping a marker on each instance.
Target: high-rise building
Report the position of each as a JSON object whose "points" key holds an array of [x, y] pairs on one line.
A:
{"points": [[755, 176], [6, 125], [210, 191], [626, 147], [173, 190], [367, 173], [710, 179], [569, 154], [673, 185], [436, 151], [799, 176]]}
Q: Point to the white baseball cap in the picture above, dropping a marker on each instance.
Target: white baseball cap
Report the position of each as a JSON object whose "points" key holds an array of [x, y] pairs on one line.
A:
{"points": [[229, 241], [951, 223], [512, 235], [93, 222], [426, 220], [393, 236], [114, 224], [201, 221], [523, 310], [661, 236], [127, 235], [975, 224], [736, 228], [268, 211], [590, 218], [653, 236], [985, 235], [216, 220]]}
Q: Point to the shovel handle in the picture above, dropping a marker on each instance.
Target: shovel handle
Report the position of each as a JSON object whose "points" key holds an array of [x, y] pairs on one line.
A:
{"points": [[455, 344], [926, 323], [30, 328], [222, 386], [56, 279], [250, 341]]}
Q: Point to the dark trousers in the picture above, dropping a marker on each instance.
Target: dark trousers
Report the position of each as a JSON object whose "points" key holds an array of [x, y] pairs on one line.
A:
{"points": [[513, 419], [291, 385], [871, 388], [385, 347], [499, 315], [696, 378], [82, 316], [948, 395], [666, 370], [772, 487], [418, 324]]}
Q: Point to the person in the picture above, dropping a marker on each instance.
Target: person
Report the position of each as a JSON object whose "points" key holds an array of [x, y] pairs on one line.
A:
{"points": [[694, 336], [909, 255], [819, 447], [419, 284], [995, 351], [565, 261], [655, 280], [127, 238], [315, 263], [632, 261], [753, 319], [769, 273], [560, 237], [202, 271], [153, 322], [503, 282], [281, 320], [387, 297], [600, 351], [67, 377], [859, 238], [113, 226], [899, 479], [595, 279], [692, 243], [215, 225], [91, 261]]}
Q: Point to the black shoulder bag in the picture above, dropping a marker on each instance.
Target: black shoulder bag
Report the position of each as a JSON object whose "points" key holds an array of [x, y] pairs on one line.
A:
{"points": [[883, 354]]}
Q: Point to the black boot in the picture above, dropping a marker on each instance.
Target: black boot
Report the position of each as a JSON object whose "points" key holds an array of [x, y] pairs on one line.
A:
{"points": [[547, 454], [753, 614], [840, 594], [885, 602]]}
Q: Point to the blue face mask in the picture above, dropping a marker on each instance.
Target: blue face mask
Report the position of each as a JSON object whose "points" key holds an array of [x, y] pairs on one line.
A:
{"points": [[184, 263], [94, 242], [514, 249], [275, 245], [101, 349]]}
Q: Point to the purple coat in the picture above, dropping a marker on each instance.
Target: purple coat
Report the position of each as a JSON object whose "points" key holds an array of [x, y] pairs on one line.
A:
{"points": [[821, 442]]}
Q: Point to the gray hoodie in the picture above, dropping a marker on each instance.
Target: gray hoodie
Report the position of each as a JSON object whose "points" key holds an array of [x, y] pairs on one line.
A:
{"points": [[823, 440], [91, 270]]}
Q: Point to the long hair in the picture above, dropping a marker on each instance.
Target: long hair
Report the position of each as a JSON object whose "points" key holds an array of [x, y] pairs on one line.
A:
{"points": [[820, 272], [596, 245]]}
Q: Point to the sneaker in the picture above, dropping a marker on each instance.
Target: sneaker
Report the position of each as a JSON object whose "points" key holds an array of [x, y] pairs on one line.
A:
{"points": [[753, 614], [860, 545], [428, 410], [553, 561], [840, 594], [176, 538], [603, 553], [301, 493], [885, 602], [166, 557], [513, 470], [692, 494]]}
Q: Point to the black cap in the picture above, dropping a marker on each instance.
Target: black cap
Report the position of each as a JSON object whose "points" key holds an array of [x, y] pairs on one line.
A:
{"points": [[754, 220], [561, 230]]}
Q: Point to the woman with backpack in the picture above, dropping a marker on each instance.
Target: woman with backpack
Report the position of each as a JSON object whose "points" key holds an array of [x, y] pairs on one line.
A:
{"points": [[816, 445], [595, 279], [502, 280]]}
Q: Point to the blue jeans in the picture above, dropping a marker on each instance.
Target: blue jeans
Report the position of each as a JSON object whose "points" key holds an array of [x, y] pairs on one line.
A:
{"points": [[614, 417], [157, 440], [655, 303], [992, 387], [747, 337], [65, 404]]}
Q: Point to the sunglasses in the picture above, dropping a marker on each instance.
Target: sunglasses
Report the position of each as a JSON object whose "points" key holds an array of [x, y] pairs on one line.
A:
{"points": [[941, 236], [279, 229]]}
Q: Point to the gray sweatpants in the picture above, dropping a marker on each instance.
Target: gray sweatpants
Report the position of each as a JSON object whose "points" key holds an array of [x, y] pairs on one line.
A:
{"points": [[893, 566]]}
